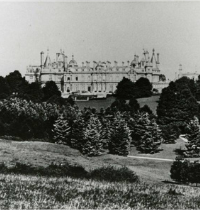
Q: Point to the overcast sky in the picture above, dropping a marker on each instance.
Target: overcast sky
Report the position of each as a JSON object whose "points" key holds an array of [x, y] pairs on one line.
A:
{"points": [[100, 32]]}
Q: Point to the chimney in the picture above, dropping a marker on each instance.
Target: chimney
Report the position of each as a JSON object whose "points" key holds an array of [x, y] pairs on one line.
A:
{"points": [[65, 61], [82, 64], [42, 58], [57, 54], [115, 63], [122, 63], [158, 58], [87, 64], [128, 63], [94, 65]]}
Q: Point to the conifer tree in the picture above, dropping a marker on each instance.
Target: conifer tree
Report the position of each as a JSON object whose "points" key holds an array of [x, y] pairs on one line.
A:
{"points": [[105, 131], [92, 142], [61, 131], [193, 145], [77, 134], [147, 136], [120, 139]]}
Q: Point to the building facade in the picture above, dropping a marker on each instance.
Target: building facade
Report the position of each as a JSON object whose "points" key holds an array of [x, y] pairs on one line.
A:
{"points": [[98, 77], [191, 75]]}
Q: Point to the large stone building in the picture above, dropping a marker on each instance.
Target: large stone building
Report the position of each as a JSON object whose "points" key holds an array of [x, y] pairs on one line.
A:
{"points": [[191, 75], [98, 77]]}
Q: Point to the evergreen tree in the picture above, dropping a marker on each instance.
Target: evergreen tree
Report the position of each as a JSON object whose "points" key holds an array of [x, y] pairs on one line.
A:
{"points": [[92, 143], [106, 131], [147, 136], [61, 131], [77, 135], [120, 139], [193, 145]]}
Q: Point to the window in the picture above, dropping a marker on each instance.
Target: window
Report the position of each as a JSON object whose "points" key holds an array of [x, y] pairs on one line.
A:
{"points": [[68, 78], [76, 78]]}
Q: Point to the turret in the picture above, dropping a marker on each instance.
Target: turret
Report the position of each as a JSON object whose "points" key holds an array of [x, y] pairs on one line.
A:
{"points": [[158, 61], [42, 59]]}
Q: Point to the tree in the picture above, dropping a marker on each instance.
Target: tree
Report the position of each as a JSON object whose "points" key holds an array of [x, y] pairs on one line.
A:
{"points": [[61, 131], [77, 134], [16, 82], [125, 89], [176, 107], [144, 87], [50, 89], [134, 105], [193, 145], [146, 134], [34, 92], [146, 109], [92, 145], [5, 90], [120, 139]]}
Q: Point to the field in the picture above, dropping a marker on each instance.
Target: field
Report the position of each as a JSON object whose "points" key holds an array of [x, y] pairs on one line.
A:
{"points": [[23, 192], [153, 192], [151, 102]]}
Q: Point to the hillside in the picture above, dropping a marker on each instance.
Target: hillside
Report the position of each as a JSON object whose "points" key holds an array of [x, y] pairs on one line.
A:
{"points": [[44, 153]]}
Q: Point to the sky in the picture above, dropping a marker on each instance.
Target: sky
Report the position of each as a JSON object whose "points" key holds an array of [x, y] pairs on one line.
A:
{"points": [[100, 31]]}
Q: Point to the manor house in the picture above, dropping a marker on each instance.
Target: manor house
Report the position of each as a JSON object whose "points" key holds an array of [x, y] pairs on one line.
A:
{"points": [[98, 77]]}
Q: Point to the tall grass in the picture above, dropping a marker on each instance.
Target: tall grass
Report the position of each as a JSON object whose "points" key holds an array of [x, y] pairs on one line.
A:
{"points": [[32, 192]]}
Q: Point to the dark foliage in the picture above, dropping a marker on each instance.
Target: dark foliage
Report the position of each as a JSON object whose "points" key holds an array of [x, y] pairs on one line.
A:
{"points": [[176, 107], [125, 89], [114, 174], [144, 88], [105, 173], [50, 89], [185, 171]]}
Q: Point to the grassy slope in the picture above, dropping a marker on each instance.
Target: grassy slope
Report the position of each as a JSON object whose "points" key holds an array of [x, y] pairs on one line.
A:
{"points": [[29, 192], [43, 153]]}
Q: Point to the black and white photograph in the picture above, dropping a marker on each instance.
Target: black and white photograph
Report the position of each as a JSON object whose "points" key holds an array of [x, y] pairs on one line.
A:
{"points": [[99, 104]]}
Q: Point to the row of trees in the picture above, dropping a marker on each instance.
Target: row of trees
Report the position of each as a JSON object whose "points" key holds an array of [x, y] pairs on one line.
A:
{"points": [[16, 85], [93, 133], [127, 89]]}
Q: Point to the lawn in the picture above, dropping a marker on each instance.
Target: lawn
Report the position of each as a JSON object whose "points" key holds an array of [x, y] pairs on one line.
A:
{"points": [[44, 153], [152, 102], [36, 192]]}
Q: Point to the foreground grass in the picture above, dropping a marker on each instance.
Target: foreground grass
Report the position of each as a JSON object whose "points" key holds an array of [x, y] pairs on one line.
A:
{"points": [[31, 192]]}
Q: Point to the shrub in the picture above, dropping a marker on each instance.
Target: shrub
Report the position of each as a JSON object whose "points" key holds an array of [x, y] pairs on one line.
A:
{"points": [[113, 174]]}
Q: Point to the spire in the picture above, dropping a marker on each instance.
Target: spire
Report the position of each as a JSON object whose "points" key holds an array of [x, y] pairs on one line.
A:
{"points": [[48, 60]]}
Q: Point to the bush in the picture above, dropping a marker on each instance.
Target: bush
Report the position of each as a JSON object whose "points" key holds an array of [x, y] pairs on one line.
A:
{"points": [[105, 173], [113, 174], [185, 171]]}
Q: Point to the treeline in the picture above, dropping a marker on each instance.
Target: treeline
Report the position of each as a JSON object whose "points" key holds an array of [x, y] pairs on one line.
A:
{"points": [[14, 85], [127, 89], [114, 130], [177, 107]]}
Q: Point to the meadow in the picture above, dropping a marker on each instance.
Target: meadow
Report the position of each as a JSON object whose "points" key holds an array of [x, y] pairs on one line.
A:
{"points": [[33, 192]]}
